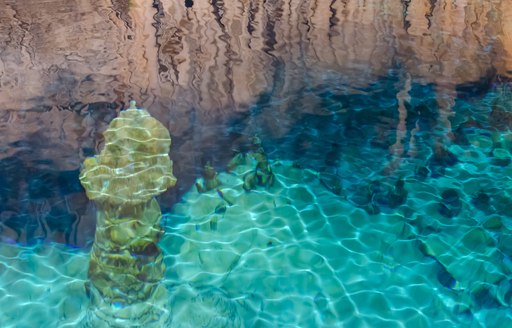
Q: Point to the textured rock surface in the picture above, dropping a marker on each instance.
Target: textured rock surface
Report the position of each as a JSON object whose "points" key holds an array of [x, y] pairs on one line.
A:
{"points": [[134, 165], [126, 266]]}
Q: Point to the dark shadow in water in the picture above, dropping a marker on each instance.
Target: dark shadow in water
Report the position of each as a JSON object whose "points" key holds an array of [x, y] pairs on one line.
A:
{"points": [[36, 203]]}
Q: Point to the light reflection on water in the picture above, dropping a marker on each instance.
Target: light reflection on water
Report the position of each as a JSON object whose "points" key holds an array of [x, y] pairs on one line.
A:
{"points": [[318, 81]]}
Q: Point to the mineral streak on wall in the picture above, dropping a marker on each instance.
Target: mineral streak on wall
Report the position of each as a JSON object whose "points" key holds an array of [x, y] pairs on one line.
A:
{"points": [[449, 42], [230, 53], [223, 55]]}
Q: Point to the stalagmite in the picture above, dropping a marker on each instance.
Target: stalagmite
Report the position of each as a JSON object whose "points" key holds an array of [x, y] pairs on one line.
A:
{"points": [[126, 264]]}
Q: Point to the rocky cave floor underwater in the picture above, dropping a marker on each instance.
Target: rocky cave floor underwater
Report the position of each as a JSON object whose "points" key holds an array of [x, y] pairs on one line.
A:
{"points": [[426, 246]]}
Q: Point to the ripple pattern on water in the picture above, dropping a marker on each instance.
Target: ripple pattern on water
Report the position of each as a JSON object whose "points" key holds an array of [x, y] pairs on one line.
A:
{"points": [[297, 254], [313, 259], [42, 286]]}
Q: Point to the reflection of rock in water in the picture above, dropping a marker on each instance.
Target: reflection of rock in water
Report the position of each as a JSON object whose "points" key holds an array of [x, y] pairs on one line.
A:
{"points": [[40, 204], [206, 307], [40, 191]]}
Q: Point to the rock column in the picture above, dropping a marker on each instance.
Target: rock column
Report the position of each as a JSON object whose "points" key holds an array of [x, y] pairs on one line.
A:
{"points": [[126, 265]]}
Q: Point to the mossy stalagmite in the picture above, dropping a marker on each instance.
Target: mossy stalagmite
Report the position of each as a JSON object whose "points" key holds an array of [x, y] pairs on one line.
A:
{"points": [[126, 265], [134, 165]]}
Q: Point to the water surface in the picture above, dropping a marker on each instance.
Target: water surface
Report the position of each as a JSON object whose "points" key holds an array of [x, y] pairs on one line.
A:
{"points": [[355, 91]]}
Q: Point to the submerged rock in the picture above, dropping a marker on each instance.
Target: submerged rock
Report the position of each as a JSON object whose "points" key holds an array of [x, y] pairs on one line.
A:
{"points": [[421, 172], [363, 198], [500, 119], [493, 223], [445, 278], [482, 201], [331, 182], [377, 196], [397, 195], [450, 204], [440, 159], [262, 174], [503, 203], [209, 179]]}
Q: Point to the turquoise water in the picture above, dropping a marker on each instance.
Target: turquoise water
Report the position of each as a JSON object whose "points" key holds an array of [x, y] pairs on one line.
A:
{"points": [[366, 225], [387, 126]]}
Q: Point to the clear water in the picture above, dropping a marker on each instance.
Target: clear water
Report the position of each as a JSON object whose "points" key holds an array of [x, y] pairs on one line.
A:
{"points": [[350, 99]]}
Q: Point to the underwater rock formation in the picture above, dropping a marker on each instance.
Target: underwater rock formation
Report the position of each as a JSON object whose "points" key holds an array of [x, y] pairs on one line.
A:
{"points": [[209, 180], [239, 158], [262, 174], [126, 265], [397, 195], [331, 182], [482, 201], [441, 159], [450, 205], [377, 196]]}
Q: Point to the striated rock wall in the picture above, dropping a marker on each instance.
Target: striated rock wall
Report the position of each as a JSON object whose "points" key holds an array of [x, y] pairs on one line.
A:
{"points": [[219, 54]]}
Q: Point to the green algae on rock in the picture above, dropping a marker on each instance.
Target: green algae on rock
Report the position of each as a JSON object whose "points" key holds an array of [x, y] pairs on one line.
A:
{"points": [[126, 265], [134, 166], [262, 175], [209, 179]]}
